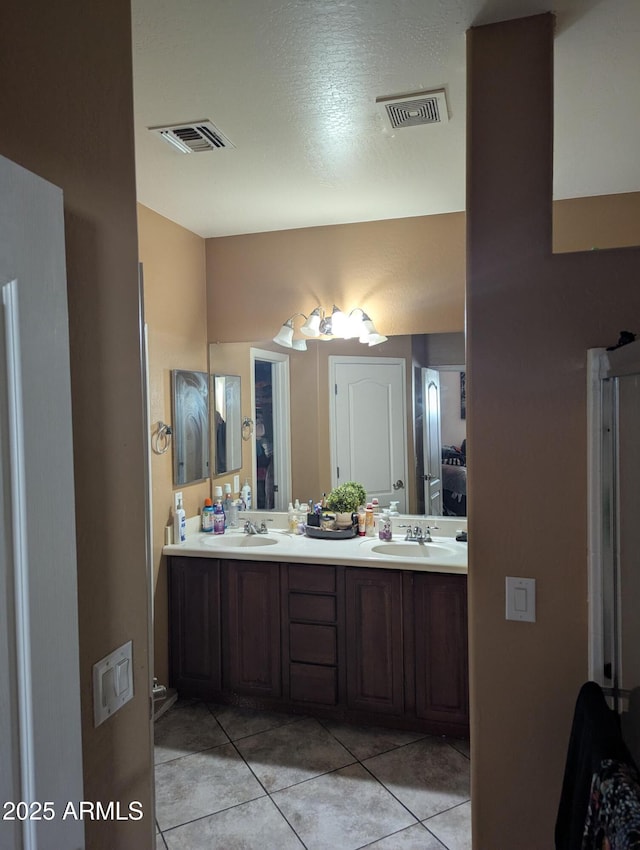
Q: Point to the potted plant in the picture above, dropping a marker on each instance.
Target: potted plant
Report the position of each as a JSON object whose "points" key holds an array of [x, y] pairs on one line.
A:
{"points": [[345, 499]]}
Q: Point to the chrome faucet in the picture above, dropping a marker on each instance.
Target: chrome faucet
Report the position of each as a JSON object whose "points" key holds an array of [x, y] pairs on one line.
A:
{"points": [[252, 528], [417, 533]]}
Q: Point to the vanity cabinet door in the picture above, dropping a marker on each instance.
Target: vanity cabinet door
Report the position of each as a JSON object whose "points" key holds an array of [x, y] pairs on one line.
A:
{"points": [[373, 599], [194, 619], [251, 628], [441, 655]]}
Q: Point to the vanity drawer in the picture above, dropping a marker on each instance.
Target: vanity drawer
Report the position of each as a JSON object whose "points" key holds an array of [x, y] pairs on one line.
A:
{"points": [[304, 606], [310, 683], [312, 577], [313, 644]]}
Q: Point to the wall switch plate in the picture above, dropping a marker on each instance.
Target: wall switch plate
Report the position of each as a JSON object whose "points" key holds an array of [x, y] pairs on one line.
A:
{"points": [[177, 498], [112, 682], [521, 599], [236, 484]]}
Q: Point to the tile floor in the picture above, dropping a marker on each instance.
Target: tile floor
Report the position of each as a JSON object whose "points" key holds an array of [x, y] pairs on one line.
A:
{"points": [[237, 779]]}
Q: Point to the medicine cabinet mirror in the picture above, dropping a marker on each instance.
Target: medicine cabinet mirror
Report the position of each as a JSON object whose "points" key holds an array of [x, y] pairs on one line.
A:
{"points": [[190, 426], [226, 424]]}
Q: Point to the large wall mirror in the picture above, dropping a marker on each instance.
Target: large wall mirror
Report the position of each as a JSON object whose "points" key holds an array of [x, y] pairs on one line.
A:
{"points": [[190, 426], [309, 412], [226, 423]]}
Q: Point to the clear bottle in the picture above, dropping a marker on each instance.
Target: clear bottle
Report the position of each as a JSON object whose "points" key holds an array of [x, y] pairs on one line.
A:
{"points": [[384, 525], [207, 516], [218, 518], [293, 519], [232, 513]]}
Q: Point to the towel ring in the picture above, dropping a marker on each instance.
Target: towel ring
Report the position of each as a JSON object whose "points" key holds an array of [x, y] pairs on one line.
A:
{"points": [[161, 440], [247, 428]]}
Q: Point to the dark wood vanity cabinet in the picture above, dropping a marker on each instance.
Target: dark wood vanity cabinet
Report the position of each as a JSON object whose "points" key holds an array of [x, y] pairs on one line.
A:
{"points": [[375, 664], [441, 655], [312, 642], [251, 628], [194, 622], [362, 644]]}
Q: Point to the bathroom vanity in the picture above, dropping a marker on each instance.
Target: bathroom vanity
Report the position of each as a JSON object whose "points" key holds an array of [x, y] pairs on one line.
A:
{"points": [[356, 630]]}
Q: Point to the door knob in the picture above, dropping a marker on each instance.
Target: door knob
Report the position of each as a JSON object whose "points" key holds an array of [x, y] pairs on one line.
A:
{"points": [[399, 484]]}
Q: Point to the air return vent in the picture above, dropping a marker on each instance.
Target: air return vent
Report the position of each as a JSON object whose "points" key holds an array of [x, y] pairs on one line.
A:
{"points": [[413, 110], [195, 137]]}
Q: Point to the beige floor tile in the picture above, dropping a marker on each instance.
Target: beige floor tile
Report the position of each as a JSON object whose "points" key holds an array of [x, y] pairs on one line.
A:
{"points": [[186, 728], [367, 741], [242, 722], [342, 810], [202, 784], [257, 825], [453, 828], [292, 753], [428, 776], [414, 838]]}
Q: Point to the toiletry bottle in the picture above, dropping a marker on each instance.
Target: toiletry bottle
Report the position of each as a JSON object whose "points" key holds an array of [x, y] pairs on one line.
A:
{"points": [[232, 513], [207, 515], [375, 504], [227, 498], [246, 495], [293, 519], [218, 518], [180, 524], [361, 521], [384, 525], [369, 529]]}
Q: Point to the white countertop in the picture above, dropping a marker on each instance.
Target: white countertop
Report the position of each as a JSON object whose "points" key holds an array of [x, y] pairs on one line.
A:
{"points": [[445, 554]]}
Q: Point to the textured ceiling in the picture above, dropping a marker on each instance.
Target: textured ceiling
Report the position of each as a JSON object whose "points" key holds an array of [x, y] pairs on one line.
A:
{"points": [[293, 85]]}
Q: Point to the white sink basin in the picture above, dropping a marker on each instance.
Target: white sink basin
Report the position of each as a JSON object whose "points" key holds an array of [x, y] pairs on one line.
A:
{"points": [[244, 541], [414, 550]]}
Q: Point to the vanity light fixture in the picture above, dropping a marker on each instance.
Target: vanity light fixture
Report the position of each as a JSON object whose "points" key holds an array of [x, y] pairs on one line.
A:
{"points": [[336, 325], [284, 337]]}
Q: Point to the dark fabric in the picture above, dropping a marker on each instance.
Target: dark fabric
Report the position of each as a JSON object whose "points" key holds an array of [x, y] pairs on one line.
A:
{"points": [[595, 736], [613, 815]]}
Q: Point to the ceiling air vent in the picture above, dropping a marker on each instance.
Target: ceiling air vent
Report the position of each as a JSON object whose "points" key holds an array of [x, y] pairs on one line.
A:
{"points": [[413, 110], [195, 137]]}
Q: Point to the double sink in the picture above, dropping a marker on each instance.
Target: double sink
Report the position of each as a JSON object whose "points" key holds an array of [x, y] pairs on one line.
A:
{"points": [[395, 548]]}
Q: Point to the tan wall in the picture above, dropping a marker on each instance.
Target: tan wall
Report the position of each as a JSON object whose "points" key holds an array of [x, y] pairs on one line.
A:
{"points": [[531, 318], [258, 280], [604, 221], [66, 84], [174, 298]]}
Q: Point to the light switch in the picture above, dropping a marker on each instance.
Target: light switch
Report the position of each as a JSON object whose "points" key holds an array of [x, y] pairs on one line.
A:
{"points": [[520, 599], [112, 682]]}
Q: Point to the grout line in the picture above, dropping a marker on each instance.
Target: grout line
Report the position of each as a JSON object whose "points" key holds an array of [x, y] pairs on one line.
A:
{"points": [[211, 814], [398, 832]]}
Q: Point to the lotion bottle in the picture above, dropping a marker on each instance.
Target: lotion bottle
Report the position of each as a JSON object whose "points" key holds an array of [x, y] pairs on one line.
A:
{"points": [[179, 524], [246, 495]]}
